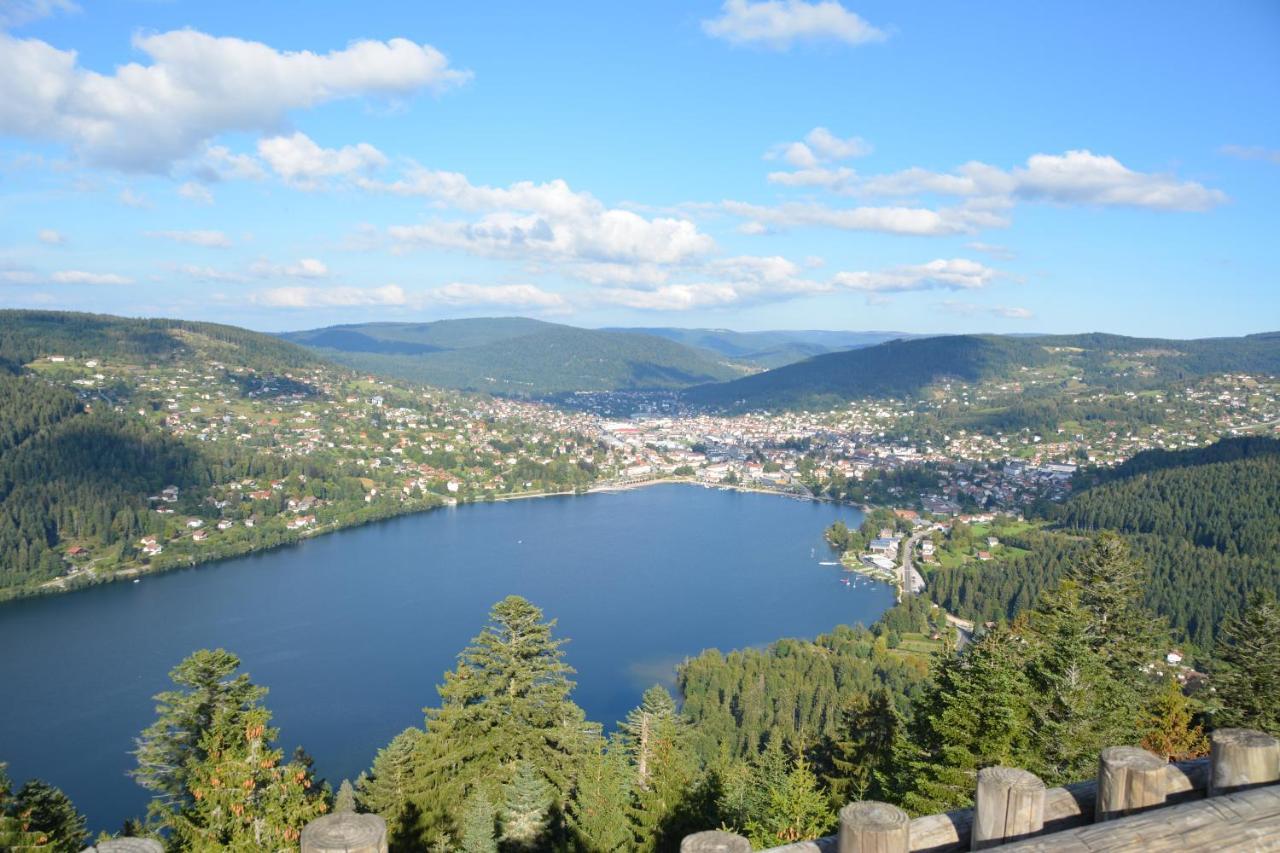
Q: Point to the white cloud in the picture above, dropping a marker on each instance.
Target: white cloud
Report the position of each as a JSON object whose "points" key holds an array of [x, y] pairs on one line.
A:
{"points": [[547, 220], [300, 161], [211, 274], [1012, 312], [129, 198], [1008, 312], [831, 179], [51, 237], [918, 221], [145, 117], [1252, 152], [330, 297], [941, 274], [218, 163], [15, 13], [1076, 177], [819, 146], [778, 24], [209, 239], [196, 192], [304, 268], [671, 297], [82, 277], [507, 295]]}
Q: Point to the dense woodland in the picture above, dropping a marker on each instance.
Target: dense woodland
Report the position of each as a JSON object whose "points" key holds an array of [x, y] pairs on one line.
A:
{"points": [[1202, 522]]}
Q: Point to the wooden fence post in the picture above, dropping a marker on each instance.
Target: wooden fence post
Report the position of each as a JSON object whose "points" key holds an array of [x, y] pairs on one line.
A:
{"points": [[345, 832], [128, 845], [713, 841], [1129, 780], [1010, 806], [874, 827], [1240, 759]]}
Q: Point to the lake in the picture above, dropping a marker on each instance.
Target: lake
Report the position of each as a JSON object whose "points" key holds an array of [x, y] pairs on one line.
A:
{"points": [[352, 631]]}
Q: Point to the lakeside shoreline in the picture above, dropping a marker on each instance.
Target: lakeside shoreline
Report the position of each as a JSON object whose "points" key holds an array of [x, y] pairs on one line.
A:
{"points": [[62, 585]]}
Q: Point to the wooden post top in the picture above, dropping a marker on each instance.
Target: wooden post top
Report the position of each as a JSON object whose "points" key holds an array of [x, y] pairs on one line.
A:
{"points": [[715, 841], [345, 832]]}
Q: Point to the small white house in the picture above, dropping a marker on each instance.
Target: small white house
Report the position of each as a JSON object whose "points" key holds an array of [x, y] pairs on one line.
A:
{"points": [[1174, 657]]}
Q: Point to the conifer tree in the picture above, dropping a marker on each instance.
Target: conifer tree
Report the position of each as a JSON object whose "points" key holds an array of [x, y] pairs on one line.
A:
{"points": [[392, 788], [599, 810], [1167, 725], [49, 814], [867, 749], [657, 740], [479, 820], [975, 714], [1121, 629], [508, 701], [167, 747], [345, 800], [794, 808], [1248, 678], [527, 800], [241, 796]]}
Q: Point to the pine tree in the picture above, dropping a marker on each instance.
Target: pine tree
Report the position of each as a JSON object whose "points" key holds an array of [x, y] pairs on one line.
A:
{"points": [[867, 749], [1248, 679], [975, 714], [1081, 707], [48, 813], [657, 740], [598, 812], [392, 789], [345, 801], [15, 834], [508, 701], [166, 747], [1121, 629], [479, 819], [794, 809], [527, 800], [241, 796], [1167, 727]]}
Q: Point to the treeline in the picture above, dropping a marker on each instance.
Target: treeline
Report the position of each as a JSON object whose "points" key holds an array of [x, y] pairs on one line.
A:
{"points": [[1204, 523], [768, 743]]}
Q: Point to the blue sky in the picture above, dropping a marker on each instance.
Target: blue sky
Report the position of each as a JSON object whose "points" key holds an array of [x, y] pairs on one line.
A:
{"points": [[1008, 167]]}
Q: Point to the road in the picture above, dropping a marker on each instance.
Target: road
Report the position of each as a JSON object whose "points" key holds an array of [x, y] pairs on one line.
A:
{"points": [[908, 564]]}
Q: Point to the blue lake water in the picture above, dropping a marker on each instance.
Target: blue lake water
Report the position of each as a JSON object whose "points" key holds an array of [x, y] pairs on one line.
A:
{"points": [[352, 631]]}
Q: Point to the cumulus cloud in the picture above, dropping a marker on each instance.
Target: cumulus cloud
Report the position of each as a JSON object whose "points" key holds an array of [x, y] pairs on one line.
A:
{"points": [[671, 297], [51, 237], [300, 161], [196, 86], [82, 277], [941, 274], [547, 220], [330, 297], [1008, 312], [209, 239], [778, 24], [506, 295]]}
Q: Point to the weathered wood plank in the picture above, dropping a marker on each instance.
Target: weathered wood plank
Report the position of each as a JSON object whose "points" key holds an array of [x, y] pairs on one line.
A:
{"points": [[871, 827], [345, 832], [1243, 821], [1009, 805], [1242, 758], [1130, 780], [715, 842]]}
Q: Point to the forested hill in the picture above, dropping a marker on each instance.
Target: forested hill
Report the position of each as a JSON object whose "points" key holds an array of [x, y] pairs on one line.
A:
{"points": [[893, 369], [26, 335], [903, 368], [518, 357], [769, 349], [1206, 521]]}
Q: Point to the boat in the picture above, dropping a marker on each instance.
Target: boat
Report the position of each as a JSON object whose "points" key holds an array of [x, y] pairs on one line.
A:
{"points": [[137, 580], [829, 563]]}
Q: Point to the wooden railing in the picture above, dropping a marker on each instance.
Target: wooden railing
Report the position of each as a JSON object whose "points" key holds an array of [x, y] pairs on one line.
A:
{"points": [[1137, 802]]}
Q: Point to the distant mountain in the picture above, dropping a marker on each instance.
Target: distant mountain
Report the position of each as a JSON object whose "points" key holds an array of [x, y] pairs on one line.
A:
{"points": [[770, 349], [891, 369], [519, 357], [906, 367]]}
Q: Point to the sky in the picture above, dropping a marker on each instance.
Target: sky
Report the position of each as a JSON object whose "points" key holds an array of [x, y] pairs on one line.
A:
{"points": [[923, 167]]}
